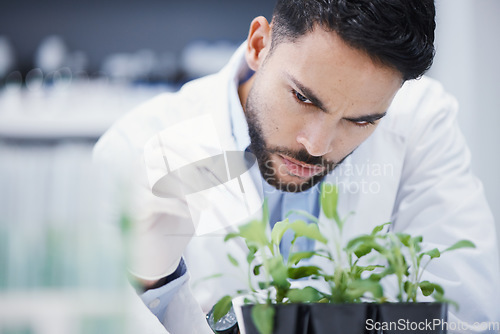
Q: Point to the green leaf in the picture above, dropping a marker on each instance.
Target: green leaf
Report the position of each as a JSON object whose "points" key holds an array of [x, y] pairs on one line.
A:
{"points": [[416, 241], [232, 260], [329, 200], [408, 287], [460, 244], [263, 318], [278, 272], [411, 291], [363, 250], [294, 258], [278, 230], [222, 307], [359, 288], [379, 228], [311, 231], [389, 270], [433, 253], [304, 214], [355, 242], [363, 245], [254, 232], [358, 270], [438, 288], [231, 236], [404, 238], [305, 295], [251, 254], [375, 277], [427, 287], [304, 271], [256, 269], [265, 212]]}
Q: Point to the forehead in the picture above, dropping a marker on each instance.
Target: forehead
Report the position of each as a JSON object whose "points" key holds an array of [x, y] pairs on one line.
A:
{"points": [[324, 63]]}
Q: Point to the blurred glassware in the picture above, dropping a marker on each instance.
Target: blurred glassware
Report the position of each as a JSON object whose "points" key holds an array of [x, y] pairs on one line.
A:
{"points": [[62, 264], [200, 58], [7, 57], [51, 54], [77, 61], [34, 80], [143, 65]]}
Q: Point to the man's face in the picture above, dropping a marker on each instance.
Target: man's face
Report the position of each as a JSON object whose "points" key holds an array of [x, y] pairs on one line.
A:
{"points": [[310, 104]]}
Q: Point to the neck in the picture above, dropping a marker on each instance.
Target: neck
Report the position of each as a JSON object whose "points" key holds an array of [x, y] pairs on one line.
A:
{"points": [[244, 90]]}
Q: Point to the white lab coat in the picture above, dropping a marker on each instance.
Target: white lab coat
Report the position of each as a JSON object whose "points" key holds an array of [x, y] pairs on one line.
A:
{"points": [[413, 171]]}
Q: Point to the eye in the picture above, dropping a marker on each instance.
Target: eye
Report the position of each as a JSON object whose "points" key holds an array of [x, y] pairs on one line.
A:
{"points": [[363, 124], [301, 97]]}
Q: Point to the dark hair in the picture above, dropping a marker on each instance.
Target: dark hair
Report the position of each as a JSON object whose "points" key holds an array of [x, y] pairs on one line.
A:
{"points": [[397, 33]]}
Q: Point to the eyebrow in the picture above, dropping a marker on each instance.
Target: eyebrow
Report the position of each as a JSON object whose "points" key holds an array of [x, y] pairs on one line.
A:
{"points": [[367, 118], [317, 102], [307, 93]]}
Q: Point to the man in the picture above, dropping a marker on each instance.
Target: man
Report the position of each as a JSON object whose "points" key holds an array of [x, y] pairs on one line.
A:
{"points": [[325, 92]]}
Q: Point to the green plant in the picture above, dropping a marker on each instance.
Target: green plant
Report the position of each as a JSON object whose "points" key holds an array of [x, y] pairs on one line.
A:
{"points": [[348, 280], [274, 274], [269, 272], [347, 283], [407, 260]]}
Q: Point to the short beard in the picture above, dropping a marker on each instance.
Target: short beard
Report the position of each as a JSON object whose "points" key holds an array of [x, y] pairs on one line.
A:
{"points": [[263, 154]]}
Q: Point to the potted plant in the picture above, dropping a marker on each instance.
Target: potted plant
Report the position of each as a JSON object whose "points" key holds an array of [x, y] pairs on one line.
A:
{"points": [[271, 274], [286, 309], [345, 298], [352, 290], [407, 261]]}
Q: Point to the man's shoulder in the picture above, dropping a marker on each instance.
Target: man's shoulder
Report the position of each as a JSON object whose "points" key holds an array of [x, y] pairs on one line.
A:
{"points": [[417, 102], [154, 115]]}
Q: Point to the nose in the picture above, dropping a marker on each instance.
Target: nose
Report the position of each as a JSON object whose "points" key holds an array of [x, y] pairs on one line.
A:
{"points": [[317, 140]]}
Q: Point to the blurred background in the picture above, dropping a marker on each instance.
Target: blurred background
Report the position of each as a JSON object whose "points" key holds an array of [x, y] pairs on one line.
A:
{"points": [[69, 69], [467, 49]]}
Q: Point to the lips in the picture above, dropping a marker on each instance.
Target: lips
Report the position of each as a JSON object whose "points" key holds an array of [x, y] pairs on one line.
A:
{"points": [[301, 169]]}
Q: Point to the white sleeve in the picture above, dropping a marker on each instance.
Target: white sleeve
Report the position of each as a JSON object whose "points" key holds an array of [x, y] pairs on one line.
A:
{"points": [[184, 314], [175, 307], [440, 199], [159, 236], [161, 227], [140, 318]]}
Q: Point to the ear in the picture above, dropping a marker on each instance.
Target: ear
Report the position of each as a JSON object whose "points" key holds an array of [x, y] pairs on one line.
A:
{"points": [[259, 42]]}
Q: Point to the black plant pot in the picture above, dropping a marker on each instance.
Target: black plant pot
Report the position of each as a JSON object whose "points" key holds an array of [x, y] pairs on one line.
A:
{"points": [[288, 319], [341, 319], [410, 318], [316, 319]]}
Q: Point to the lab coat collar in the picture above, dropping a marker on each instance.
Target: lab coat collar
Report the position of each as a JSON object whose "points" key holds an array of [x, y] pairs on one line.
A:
{"points": [[239, 72]]}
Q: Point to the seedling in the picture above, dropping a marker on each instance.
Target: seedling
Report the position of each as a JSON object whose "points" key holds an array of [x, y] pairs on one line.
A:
{"points": [[407, 260]]}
